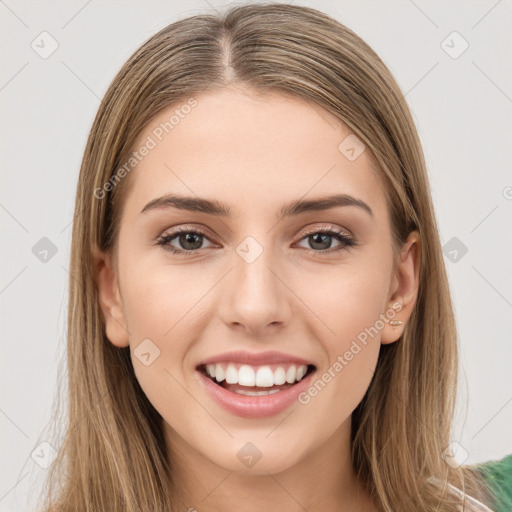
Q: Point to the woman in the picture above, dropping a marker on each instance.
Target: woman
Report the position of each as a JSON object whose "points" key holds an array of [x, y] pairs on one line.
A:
{"points": [[259, 313]]}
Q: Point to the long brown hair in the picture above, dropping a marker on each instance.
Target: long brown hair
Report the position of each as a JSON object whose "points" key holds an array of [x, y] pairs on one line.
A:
{"points": [[113, 456]]}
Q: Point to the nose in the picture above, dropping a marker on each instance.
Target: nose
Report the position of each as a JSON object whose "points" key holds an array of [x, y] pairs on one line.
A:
{"points": [[254, 299]]}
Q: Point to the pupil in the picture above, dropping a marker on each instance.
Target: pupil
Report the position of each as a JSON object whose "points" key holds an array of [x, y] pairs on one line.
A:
{"points": [[319, 238], [191, 238]]}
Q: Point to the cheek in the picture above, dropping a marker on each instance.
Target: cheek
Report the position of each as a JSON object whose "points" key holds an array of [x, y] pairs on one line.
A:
{"points": [[162, 306], [344, 301], [352, 350], [347, 305], [159, 299]]}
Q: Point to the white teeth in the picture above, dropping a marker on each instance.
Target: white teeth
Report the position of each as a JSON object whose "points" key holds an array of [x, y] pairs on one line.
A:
{"points": [[231, 374], [264, 377], [291, 374], [261, 376], [219, 373], [279, 376], [246, 376]]}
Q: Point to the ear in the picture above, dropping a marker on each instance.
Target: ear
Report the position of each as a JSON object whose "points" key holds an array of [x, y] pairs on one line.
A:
{"points": [[403, 290], [110, 298]]}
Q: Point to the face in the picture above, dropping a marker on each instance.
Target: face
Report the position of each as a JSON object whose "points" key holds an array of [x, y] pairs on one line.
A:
{"points": [[265, 271]]}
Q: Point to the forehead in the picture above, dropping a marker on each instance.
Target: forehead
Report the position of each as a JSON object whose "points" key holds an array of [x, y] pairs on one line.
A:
{"points": [[253, 150]]}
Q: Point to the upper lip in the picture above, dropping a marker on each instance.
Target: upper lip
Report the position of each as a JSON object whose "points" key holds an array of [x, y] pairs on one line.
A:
{"points": [[255, 358]]}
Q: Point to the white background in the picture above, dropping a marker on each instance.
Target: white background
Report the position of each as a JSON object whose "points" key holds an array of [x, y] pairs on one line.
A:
{"points": [[462, 108]]}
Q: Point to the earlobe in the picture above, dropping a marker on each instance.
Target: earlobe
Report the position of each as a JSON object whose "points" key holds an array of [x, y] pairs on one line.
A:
{"points": [[404, 291], [109, 298]]}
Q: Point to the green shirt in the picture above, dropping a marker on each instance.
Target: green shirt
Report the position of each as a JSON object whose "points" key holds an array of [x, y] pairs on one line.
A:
{"points": [[498, 475]]}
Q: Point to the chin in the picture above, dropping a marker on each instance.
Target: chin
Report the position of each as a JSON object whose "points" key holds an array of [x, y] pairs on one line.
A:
{"points": [[257, 454]]}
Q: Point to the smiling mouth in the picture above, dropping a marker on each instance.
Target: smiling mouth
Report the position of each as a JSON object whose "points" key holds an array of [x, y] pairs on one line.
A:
{"points": [[230, 382]]}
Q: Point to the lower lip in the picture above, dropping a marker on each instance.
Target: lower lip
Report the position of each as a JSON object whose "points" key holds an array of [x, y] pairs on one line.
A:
{"points": [[255, 406]]}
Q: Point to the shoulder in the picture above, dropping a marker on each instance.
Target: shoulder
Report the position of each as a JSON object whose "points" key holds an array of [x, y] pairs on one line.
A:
{"points": [[497, 475]]}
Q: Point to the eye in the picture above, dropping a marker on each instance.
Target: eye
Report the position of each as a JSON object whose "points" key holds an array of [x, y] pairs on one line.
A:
{"points": [[190, 241], [320, 240]]}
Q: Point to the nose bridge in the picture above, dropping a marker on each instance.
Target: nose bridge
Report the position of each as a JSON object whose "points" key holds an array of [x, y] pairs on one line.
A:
{"points": [[253, 296], [253, 281]]}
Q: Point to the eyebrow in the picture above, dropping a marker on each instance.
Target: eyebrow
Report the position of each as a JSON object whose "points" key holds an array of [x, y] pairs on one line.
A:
{"points": [[214, 207]]}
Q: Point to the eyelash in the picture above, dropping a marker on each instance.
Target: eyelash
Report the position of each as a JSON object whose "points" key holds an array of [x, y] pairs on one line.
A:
{"points": [[346, 241]]}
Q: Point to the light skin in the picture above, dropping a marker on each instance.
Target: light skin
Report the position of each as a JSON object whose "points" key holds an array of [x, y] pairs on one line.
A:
{"points": [[256, 154]]}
